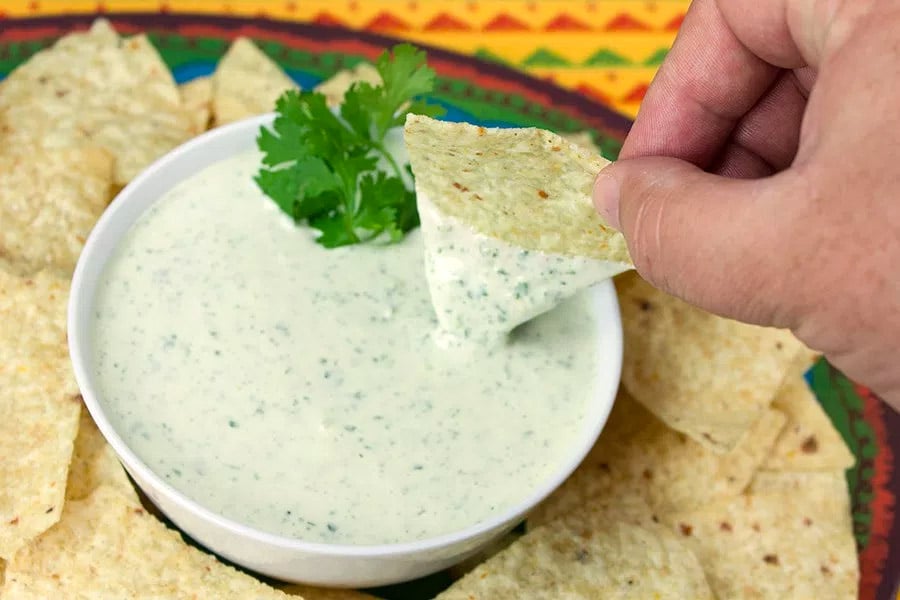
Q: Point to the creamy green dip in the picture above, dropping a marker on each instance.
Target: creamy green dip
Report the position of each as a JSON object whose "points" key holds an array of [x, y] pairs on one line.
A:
{"points": [[301, 391]]}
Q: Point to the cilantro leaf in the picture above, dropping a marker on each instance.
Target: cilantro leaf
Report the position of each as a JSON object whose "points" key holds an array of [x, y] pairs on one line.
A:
{"points": [[322, 167]]}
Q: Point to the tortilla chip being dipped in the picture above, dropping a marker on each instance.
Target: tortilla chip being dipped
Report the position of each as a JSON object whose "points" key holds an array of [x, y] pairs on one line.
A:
{"points": [[708, 377], [507, 214], [39, 406], [246, 83]]}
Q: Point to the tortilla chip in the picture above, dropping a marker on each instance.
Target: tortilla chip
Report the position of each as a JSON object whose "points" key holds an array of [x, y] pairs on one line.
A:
{"points": [[49, 202], [792, 539], [39, 406], [700, 374], [106, 547], [589, 554], [637, 452], [196, 96], [94, 463], [582, 139], [809, 442], [93, 88], [528, 187], [246, 83], [520, 196], [338, 84]]}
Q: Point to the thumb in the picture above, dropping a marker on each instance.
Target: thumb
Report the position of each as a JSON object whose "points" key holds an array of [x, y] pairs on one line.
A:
{"points": [[721, 244]]}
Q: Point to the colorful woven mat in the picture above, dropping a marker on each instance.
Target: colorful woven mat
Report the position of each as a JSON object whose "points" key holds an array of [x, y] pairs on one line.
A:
{"points": [[606, 49]]}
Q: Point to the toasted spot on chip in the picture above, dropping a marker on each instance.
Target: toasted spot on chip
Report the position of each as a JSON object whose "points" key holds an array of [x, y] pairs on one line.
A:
{"points": [[514, 165], [94, 463], [49, 202], [767, 551], [39, 406], [338, 84], [105, 547], [810, 441], [94, 88], [708, 377], [589, 554], [246, 83]]}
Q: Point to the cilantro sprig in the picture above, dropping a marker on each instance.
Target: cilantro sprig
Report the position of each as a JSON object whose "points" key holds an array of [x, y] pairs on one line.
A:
{"points": [[334, 172]]}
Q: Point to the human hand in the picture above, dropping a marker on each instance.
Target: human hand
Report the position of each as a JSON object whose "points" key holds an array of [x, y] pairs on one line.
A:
{"points": [[761, 179]]}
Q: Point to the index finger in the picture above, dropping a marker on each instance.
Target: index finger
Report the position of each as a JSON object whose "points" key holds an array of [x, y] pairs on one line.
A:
{"points": [[709, 80]]}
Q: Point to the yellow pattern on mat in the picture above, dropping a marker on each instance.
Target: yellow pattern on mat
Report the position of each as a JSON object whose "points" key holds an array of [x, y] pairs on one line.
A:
{"points": [[606, 49]]}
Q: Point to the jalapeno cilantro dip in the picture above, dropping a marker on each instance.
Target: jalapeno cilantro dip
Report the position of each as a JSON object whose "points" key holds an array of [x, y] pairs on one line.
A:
{"points": [[300, 390]]}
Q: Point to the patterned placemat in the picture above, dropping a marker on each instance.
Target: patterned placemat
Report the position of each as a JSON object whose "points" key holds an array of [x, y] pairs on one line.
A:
{"points": [[608, 50]]}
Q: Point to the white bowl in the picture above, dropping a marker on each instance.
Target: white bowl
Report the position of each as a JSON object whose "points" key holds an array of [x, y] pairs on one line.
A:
{"points": [[281, 557]]}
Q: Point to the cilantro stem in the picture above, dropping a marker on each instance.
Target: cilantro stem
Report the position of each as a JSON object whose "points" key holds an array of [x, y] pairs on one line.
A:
{"points": [[387, 155]]}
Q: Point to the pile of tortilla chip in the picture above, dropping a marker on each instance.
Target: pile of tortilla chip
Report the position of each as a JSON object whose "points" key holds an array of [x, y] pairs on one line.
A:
{"points": [[77, 122], [718, 475]]}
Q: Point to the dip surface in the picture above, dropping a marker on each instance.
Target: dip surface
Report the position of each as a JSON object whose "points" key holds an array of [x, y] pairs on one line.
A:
{"points": [[298, 390]]}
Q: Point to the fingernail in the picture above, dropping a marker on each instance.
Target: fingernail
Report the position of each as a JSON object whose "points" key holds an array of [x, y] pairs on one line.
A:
{"points": [[606, 198]]}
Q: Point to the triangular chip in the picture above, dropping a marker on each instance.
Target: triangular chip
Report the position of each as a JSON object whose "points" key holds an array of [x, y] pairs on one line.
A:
{"points": [[246, 83], [636, 451], [528, 187], [588, 555], [105, 546], [196, 96], [337, 85], [94, 464], [507, 217], [93, 88], [703, 375], [39, 406], [789, 538], [49, 202], [809, 442]]}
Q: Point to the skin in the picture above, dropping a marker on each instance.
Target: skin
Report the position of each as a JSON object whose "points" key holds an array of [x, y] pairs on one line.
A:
{"points": [[761, 179]]}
